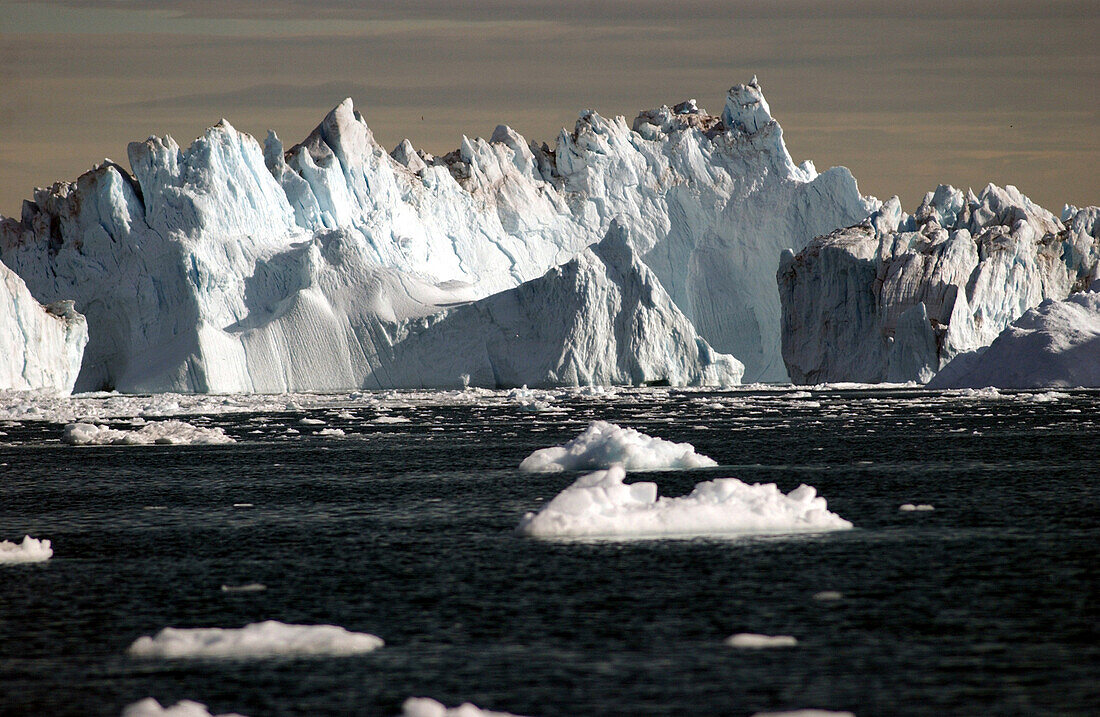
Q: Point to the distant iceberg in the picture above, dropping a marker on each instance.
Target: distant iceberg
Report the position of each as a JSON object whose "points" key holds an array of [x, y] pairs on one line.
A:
{"points": [[258, 640], [231, 266], [604, 444], [30, 550], [896, 297], [601, 505], [1054, 345]]}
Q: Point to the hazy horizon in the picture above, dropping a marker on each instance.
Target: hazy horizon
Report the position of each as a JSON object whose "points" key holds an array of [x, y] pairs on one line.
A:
{"points": [[906, 98]]}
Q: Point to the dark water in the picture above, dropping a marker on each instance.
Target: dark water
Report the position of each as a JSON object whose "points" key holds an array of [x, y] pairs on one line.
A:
{"points": [[988, 605]]}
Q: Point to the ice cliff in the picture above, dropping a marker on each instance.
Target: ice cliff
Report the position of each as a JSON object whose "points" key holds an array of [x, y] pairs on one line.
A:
{"points": [[1056, 344], [895, 297], [231, 266], [41, 345]]}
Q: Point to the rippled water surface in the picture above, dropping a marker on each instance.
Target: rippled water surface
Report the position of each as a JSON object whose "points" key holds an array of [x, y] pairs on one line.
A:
{"points": [[986, 605]]}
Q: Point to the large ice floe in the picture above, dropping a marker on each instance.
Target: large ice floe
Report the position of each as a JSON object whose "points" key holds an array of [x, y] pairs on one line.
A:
{"points": [[427, 707], [234, 267], [602, 505], [40, 346], [159, 432], [1056, 344], [605, 444], [895, 297], [258, 640], [149, 707], [30, 550]]}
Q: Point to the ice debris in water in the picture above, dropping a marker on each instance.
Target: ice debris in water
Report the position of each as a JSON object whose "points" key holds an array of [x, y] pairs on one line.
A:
{"points": [[427, 707], [748, 640], [600, 504], [804, 713], [909, 507], [149, 707], [28, 551], [826, 595], [260, 639], [160, 432], [247, 588], [605, 444]]}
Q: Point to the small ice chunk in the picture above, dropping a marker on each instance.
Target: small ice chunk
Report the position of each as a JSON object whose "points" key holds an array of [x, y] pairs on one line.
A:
{"points": [[335, 432], [159, 432], [260, 639], [605, 444], [311, 422], [601, 505], [149, 707], [804, 713], [427, 707], [28, 551], [908, 507], [827, 595], [392, 419], [247, 588], [751, 641]]}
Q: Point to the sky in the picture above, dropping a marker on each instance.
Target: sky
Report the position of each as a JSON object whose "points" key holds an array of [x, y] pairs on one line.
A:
{"points": [[906, 95]]}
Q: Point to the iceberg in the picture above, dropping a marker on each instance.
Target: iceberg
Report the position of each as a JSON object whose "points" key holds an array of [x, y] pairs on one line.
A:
{"points": [[158, 432], [601, 505], [258, 640], [149, 707], [42, 345], [1054, 345], [427, 707], [896, 297], [231, 266], [604, 444], [30, 550]]}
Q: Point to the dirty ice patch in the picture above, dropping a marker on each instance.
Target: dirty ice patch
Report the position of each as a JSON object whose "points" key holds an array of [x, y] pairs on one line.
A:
{"points": [[260, 639], [149, 707], [158, 432], [427, 707], [28, 551], [605, 444], [601, 505]]}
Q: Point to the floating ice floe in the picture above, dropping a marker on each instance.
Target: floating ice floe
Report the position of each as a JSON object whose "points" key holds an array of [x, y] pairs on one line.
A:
{"points": [[804, 713], [750, 641], [605, 444], [909, 507], [261, 639], [427, 707], [159, 432], [828, 595], [247, 588], [28, 551], [601, 505], [149, 707]]}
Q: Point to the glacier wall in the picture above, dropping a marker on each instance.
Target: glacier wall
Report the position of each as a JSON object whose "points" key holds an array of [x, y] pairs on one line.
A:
{"points": [[895, 297], [42, 345], [231, 266]]}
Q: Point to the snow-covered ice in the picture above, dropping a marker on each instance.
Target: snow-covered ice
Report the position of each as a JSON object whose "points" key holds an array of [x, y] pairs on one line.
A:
{"points": [[1054, 345], [896, 297], [155, 432], [427, 707], [261, 639], [601, 505], [41, 345], [236, 266], [605, 444], [149, 707], [752, 641], [30, 550]]}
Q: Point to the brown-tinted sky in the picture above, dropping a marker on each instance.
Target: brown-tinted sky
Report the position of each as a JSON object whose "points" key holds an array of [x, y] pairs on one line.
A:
{"points": [[907, 97]]}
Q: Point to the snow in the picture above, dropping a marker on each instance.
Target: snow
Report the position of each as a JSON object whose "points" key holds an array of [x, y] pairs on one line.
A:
{"points": [[231, 266], [158, 432], [427, 707], [261, 639], [149, 707], [605, 444], [42, 345], [1054, 345], [30, 550], [896, 297], [751, 641], [601, 505]]}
